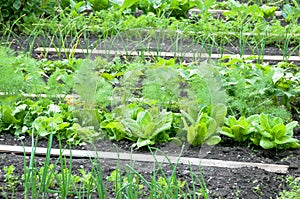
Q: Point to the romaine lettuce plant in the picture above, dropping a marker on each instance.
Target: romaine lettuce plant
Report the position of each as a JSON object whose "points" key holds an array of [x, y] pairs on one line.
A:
{"points": [[272, 133], [201, 126], [240, 129], [143, 126]]}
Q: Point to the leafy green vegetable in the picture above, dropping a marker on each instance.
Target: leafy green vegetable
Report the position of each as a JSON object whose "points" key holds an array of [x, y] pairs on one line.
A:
{"points": [[201, 126], [272, 133], [238, 129], [145, 127], [268, 11], [148, 125]]}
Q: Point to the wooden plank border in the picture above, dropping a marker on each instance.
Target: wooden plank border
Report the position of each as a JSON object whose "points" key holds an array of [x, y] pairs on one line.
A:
{"points": [[196, 10], [145, 158], [166, 54]]}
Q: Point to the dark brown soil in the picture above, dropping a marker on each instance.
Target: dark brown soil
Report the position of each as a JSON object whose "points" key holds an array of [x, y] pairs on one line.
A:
{"points": [[221, 182]]}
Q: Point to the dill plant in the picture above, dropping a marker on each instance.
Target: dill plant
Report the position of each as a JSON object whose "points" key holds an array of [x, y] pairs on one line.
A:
{"points": [[19, 73]]}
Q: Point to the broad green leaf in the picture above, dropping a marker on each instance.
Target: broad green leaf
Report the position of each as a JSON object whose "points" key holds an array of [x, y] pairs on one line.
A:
{"points": [[213, 140], [227, 129], [143, 142], [293, 145], [191, 134], [253, 119], [231, 121], [127, 4], [264, 122], [268, 11], [285, 140], [131, 127], [166, 123], [227, 132], [40, 125], [238, 130], [144, 118], [17, 4], [278, 74], [187, 116], [278, 131], [290, 127], [266, 143], [201, 134], [209, 3], [62, 126], [98, 5], [117, 129], [255, 140], [212, 127], [218, 113], [266, 134], [149, 131]]}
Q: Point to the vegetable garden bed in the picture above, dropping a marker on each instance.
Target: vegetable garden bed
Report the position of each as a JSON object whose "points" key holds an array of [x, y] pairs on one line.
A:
{"points": [[144, 99]]}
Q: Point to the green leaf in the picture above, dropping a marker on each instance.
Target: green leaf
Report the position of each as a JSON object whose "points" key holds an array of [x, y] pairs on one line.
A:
{"points": [[144, 118], [7, 116], [143, 142], [290, 127], [268, 11], [127, 4], [17, 4], [230, 121], [98, 5], [166, 123], [212, 127], [278, 74], [191, 134], [286, 140], [116, 130], [264, 122], [227, 133], [197, 135], [278, 131], [187, 116], [266, 143], [266, 134], [218, 113], [213, 140]]}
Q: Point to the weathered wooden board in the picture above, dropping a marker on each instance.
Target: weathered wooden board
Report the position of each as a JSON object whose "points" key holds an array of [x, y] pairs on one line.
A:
{"points": [[195, 10], [145, 158], [167, 54]]}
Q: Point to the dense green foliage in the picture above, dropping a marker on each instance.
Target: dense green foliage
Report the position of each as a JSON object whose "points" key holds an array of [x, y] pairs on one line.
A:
{"points": [[150, 103], [24, 11]]}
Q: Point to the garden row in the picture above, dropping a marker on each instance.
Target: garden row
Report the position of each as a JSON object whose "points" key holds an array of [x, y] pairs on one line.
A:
{"points": [[147, 102], [243, 28]]}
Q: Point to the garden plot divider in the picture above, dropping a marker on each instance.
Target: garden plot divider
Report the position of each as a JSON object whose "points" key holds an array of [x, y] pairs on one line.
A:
{"points": [[168, 54], [145, 158], [197, 11]]}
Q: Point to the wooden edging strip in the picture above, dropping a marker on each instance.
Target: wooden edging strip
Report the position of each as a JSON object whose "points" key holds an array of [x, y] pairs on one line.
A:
{"points": [[145, 158], [168, 54], [195, 10]]}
